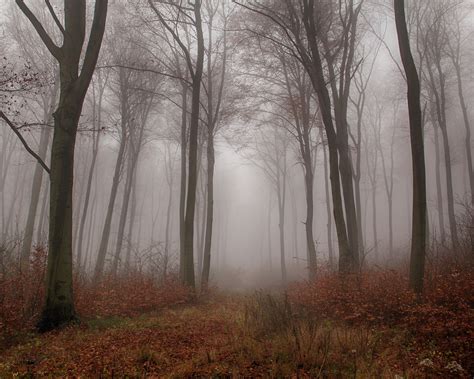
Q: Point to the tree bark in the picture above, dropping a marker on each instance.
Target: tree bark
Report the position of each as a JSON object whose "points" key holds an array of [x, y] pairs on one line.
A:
{"points": [[74, 81], [418, 240], [188, 270]]}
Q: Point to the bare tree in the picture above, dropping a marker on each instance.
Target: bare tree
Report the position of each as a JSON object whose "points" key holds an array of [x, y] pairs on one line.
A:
{"points": [[418, 237], [74, 81], [188, 15], [302, 30]]}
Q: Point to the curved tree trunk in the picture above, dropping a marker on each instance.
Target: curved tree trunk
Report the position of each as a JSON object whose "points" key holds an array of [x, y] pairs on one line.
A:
{"points": [[418, 241]]}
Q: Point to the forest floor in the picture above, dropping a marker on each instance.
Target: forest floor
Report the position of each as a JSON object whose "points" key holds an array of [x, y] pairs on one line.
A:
{"points": [[258, 335]]}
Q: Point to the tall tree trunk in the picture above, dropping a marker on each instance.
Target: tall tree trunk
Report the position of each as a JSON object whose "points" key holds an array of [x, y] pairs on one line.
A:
{"points": [[80, 236], [269, 233], [40, 236], [347, 257], [210, 210], [124, 211], [418, 240], [188, 272], [131, 223], [95, 152], [168, 216], [295, 225], [449, 185], [74, 82], [183, 177], [309, 183], [281, 197], [35, 194], [468, 130], [104, 242], [59, 307], [328, 210], [439, 193], [440, 102]]}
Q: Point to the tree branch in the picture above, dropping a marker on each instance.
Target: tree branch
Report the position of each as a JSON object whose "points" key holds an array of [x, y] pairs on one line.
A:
{"points": [[25, 144], [52, 47], [55, 17]]}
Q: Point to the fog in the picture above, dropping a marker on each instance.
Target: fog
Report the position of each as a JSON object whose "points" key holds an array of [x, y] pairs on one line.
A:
{"points": [[140, 74]]}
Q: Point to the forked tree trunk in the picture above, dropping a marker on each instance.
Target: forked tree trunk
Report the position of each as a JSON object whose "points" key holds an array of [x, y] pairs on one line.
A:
{"points": [[74, 81]]}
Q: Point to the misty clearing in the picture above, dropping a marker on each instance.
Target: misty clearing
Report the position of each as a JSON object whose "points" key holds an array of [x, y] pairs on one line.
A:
{"points": [[237, 188]]}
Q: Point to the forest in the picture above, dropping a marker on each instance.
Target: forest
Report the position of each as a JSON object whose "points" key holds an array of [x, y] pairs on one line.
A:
{"points": [[237, 188]]}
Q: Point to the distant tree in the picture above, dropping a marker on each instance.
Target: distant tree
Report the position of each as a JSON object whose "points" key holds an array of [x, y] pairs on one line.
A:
{"points": [[171, 16], [322, 37], [270, 154], [96, 99]]}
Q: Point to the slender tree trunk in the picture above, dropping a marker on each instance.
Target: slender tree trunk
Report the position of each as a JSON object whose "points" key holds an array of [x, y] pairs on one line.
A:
{"points": [[269, 233], [168, 216], [281, 197], [468, 130], [40, 236], [418, 240], [183, 180], [90, 235], [131, 222], [210, 209], [104, 242], [374, 223], [35, 194], [295, 225], [439, 193], [328, 210], [133, 159], [440, 102], [80, 186], [95, 152], [80, 237], [188, 271], [449, 185]]}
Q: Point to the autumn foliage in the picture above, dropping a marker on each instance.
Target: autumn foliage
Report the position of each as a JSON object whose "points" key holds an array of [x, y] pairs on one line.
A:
{"points": [[130, 295], [22, 294], [441, 320]]}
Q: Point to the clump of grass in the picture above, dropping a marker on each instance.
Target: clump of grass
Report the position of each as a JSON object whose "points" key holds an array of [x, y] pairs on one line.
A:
{"points": [[289, 339]]}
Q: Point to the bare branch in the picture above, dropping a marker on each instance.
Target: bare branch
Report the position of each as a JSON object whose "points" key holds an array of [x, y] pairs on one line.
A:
{"points": [[55, 17], [52, 47], [25, 144]]}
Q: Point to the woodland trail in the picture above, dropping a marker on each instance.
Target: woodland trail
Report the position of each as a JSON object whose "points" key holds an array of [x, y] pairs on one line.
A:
{"points": [[222, 336]]}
